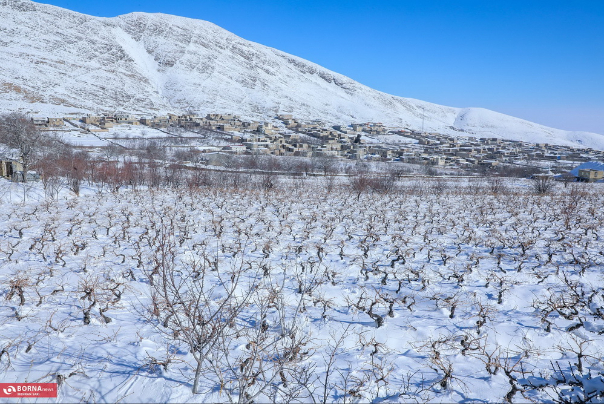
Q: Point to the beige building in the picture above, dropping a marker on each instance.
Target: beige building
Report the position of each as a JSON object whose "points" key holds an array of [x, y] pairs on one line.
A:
{"points": [[590, 175], [90, 119], [9, 167], [55, 122]]}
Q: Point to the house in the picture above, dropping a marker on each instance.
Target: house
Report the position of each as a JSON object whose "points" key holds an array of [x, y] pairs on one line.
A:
{"points": [[56, 122], [105, 124], [590, 175], [9, 167], [265, 128], [237, 149], [489, 163], [590, 165], [438, 160], [147, 121], [90, 119], [224, 127], [123, 118], [250, 125], [39, 121], [292, 137]]}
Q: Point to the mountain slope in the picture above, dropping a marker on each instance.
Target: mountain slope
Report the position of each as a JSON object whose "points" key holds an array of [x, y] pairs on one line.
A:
{"points": [[56, 61]]}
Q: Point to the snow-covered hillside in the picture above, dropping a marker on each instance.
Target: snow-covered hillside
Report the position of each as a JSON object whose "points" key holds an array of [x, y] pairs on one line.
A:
{"points": [[57, 61]]}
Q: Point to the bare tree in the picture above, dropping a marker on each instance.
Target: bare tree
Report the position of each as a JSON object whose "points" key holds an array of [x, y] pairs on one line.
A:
{"points": [[543, 184], [194, 303], [18, 132], [326, 164]]}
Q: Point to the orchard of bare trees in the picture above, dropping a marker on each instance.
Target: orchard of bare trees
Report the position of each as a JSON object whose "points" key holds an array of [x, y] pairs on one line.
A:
{"points": [[220, 287]]}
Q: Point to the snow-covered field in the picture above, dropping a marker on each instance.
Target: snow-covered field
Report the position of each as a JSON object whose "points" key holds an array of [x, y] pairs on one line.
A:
{"points": [[82, 139], [132, 136], [394, 139], [442, 290]]}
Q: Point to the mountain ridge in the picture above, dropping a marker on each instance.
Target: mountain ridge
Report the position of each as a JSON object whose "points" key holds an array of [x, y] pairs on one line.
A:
{"points": [[61, 61]]}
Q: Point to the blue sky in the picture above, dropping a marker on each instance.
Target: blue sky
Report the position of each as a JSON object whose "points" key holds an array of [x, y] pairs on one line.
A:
{"points": [[541, 60]]}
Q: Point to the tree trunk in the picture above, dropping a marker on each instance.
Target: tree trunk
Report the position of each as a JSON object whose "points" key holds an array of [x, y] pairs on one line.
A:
{"points": [[196, 380]]}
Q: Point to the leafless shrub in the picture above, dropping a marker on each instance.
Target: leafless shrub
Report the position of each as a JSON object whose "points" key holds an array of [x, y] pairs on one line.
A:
{"points": [[326, 165], [17, 286], [565, 385], [543, 184], [275, 345], [496, 185], [268, 181], [438, 186], [359, 184]]}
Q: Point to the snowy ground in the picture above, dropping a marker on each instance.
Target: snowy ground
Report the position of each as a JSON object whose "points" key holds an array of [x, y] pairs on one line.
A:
{"points": [[82, 139], [443, 291], [130, 136], [394, 139]]}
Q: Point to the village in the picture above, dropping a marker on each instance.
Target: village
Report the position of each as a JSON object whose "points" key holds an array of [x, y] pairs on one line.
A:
{"points": [[286, 135]]}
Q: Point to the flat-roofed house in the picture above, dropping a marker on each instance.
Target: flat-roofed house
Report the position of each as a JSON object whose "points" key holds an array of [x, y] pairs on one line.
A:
{"points": [[8, 167], [56, 122], [590, 171], [38, 121], [590, 175]]}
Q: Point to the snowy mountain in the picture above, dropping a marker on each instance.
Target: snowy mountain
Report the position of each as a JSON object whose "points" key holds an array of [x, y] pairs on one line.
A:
{"points": [[57, 61]]}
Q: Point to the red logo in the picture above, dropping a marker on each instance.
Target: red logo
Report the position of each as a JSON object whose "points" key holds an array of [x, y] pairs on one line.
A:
{"points": [[18, 390]]}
